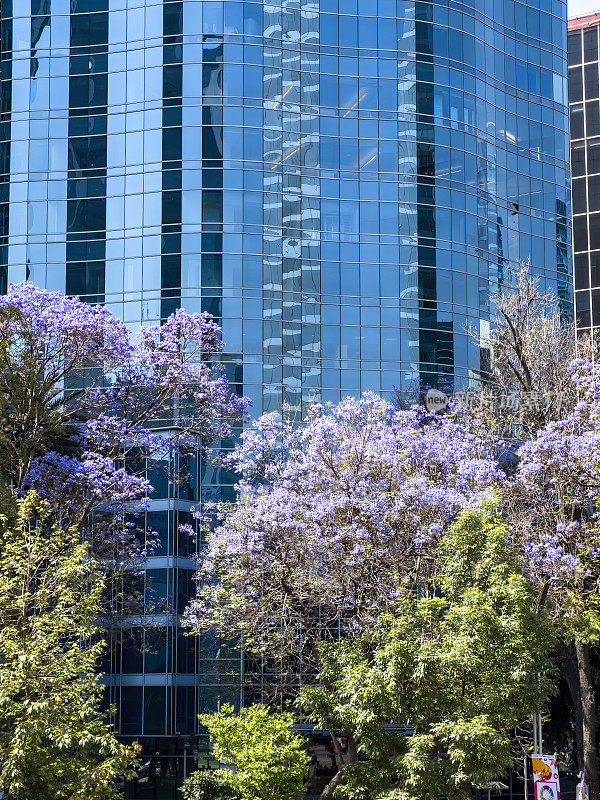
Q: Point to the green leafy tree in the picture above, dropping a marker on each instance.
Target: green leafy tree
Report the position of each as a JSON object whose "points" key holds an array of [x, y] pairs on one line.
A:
{"points": [[433, 694], [55, 739], [268, 758]]}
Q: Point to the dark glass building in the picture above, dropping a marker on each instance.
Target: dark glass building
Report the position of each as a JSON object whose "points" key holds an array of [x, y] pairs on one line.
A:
{"points": [[342, 183], [584, 107]]}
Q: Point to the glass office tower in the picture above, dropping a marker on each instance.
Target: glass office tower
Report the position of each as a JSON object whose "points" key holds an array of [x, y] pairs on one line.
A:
{"points": [[342, 183], [584, 105]]}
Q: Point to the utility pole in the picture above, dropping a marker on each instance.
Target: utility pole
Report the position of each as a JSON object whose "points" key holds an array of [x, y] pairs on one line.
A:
{"points": [[537, 733]]}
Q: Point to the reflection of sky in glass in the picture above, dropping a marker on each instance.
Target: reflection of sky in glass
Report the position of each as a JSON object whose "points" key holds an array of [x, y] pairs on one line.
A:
{"points": [[340, 182], [577, 7]]}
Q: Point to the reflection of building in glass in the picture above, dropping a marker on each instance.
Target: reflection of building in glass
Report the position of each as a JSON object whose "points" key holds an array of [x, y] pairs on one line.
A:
{"points": [[584, 106], [341, 182]]}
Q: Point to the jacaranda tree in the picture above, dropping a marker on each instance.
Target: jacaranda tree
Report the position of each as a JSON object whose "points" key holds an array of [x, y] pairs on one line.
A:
{"points": [[334, 520], [553, 508], [86, 405], [433, 691], [529, 396]]}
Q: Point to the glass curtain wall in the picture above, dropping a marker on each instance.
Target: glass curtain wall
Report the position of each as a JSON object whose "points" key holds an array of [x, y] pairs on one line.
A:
{"points": [[5, 134], [584, 107], [342, 183]]}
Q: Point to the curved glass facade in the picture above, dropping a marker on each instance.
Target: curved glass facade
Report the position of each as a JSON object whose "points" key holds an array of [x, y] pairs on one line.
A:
{"points": [[341, 182]]}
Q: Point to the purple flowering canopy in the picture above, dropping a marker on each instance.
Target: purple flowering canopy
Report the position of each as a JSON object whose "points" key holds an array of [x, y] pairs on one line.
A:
{"points": [[85, 403], [556, 495], [553, 510], [334, 518]]}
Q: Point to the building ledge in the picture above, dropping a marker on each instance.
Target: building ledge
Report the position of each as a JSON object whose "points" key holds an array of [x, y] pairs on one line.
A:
{"points": [[585, 21]]}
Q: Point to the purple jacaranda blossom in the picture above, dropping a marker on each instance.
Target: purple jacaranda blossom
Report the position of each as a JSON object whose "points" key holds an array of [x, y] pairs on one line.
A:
{"points": [[333, 516], [120, 400], [65, 480], [66, 331], [557, 491]]}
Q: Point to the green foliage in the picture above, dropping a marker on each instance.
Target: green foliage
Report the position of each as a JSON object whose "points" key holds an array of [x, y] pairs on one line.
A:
{"points": [[460, 667], [55, 741], [268, 757], [208, 785]]}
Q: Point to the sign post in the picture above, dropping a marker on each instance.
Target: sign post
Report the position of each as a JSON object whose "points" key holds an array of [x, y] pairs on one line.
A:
{"points": [[545, 777]]}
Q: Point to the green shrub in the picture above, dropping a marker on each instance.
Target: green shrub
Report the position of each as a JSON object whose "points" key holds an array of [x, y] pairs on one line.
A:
{"points": [[208, 785], [268, 757]]}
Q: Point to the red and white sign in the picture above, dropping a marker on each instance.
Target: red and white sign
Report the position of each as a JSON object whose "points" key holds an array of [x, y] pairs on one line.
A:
{"points": [[545, 777]]}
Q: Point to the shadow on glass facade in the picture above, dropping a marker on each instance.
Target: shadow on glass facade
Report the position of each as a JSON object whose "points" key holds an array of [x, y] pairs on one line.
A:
{"points": [[342, 183]]}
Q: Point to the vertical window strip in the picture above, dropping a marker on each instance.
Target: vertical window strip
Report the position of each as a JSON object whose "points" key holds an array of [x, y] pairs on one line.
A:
{"points": [[436, 338], [86, 183], [212, 175], [171, 157], [5, 134]]}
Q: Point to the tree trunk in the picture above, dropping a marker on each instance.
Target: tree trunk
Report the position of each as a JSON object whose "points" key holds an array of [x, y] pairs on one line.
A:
{"points": [[338, 780], [571, 673], [340, 777], [588, 712]]}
